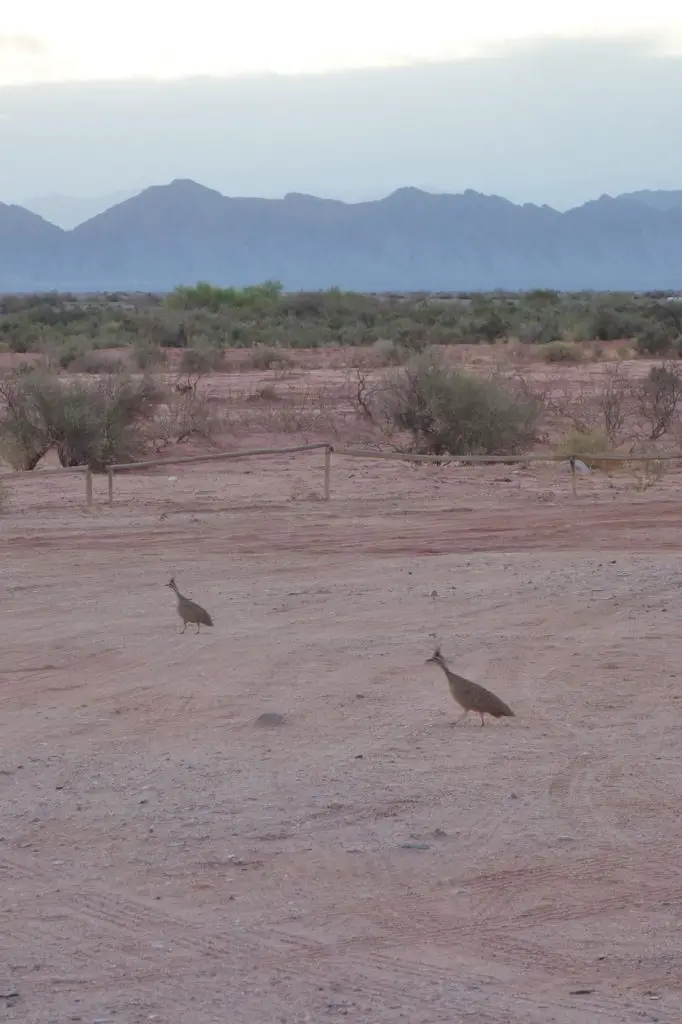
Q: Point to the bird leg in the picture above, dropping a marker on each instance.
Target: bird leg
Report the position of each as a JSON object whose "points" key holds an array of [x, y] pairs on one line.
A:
{"points": [[198, 627], [482, 718], [184, 627], [461, 718]]}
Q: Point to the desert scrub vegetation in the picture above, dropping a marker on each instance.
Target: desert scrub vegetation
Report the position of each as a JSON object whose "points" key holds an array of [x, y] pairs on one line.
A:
{"points": [[584, 443], [87, 423], [450, 411], [207, 318], [562, 352]]}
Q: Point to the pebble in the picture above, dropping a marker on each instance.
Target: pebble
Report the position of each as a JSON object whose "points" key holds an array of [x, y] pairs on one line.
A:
{"points": [[270, 718]]}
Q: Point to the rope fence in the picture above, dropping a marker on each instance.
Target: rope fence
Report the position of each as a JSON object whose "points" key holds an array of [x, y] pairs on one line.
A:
{"points": [[352, 453]]}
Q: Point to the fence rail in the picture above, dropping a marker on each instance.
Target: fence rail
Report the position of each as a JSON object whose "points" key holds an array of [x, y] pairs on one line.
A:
{"points": [[354, 453]]}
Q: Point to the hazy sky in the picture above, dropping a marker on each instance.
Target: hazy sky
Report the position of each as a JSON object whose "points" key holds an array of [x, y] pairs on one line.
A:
{"points": [[534, 102], [44, 40]]}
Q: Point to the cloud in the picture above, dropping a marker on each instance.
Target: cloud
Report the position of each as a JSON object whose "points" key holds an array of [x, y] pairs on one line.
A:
{"points": [[23, 46], [24, 59]]}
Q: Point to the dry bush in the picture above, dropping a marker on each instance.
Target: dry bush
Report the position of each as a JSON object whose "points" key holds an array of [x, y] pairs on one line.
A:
{"points": [[96, 363], [198, 361], [262, 357], [614, 400], [584, 443], [659, 398], [312, 412], [449, 411], [605, 404], [574, 404], [647, 474], [264, 393], [148, 357], [364, 394], [317, 412], [382, 352], [185, 414]]}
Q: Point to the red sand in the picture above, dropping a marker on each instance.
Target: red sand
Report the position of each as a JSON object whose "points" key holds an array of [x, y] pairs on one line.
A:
{"points": [[164, 857]]}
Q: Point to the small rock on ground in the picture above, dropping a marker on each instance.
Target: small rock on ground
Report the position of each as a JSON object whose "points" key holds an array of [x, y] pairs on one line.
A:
{"points": [[270, 718]]}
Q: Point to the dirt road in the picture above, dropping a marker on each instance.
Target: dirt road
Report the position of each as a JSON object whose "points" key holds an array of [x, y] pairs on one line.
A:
{"points": [[165, 857]]}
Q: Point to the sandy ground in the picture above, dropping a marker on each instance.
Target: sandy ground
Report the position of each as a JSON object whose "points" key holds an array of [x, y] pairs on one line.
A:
{"points": [[164, 857]]}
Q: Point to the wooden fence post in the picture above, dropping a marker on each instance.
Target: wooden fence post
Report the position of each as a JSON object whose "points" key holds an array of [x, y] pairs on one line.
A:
{"points": [[110, 481], [327, 472], [573, 484], [88, 486]]}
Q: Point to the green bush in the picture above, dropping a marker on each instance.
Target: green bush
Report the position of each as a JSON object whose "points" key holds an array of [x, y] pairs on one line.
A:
{"points": [[95, 363], [147, 356], [264, 358], [656, 340], [562, 352], [204, 315], [449, 411], [93, 424], [19, 343]]}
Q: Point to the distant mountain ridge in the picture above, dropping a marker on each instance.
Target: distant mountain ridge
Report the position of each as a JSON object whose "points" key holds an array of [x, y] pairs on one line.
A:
{"points": [[411, 240]]}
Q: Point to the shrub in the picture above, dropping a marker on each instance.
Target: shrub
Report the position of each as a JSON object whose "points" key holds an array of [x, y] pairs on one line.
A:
{"points": [[197, 361], [562, 352], [386, 352], [67, 354], [19, 344], [659, 398], [147, 356], [96, 363], [656, 340], [92, 424], [449, 411], [265, 393], [535, 332], [263, 358], [584, 443]]}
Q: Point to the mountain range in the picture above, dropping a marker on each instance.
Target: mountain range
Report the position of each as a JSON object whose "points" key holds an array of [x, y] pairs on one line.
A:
{"points": [[411, 240]]}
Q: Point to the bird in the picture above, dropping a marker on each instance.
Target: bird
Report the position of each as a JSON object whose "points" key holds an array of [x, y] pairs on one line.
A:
{"points": [[471, 696], [189, 611]]}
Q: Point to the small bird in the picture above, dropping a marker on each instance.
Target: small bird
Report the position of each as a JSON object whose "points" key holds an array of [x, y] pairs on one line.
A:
{"points": [[189, 611], [471, 696]]}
